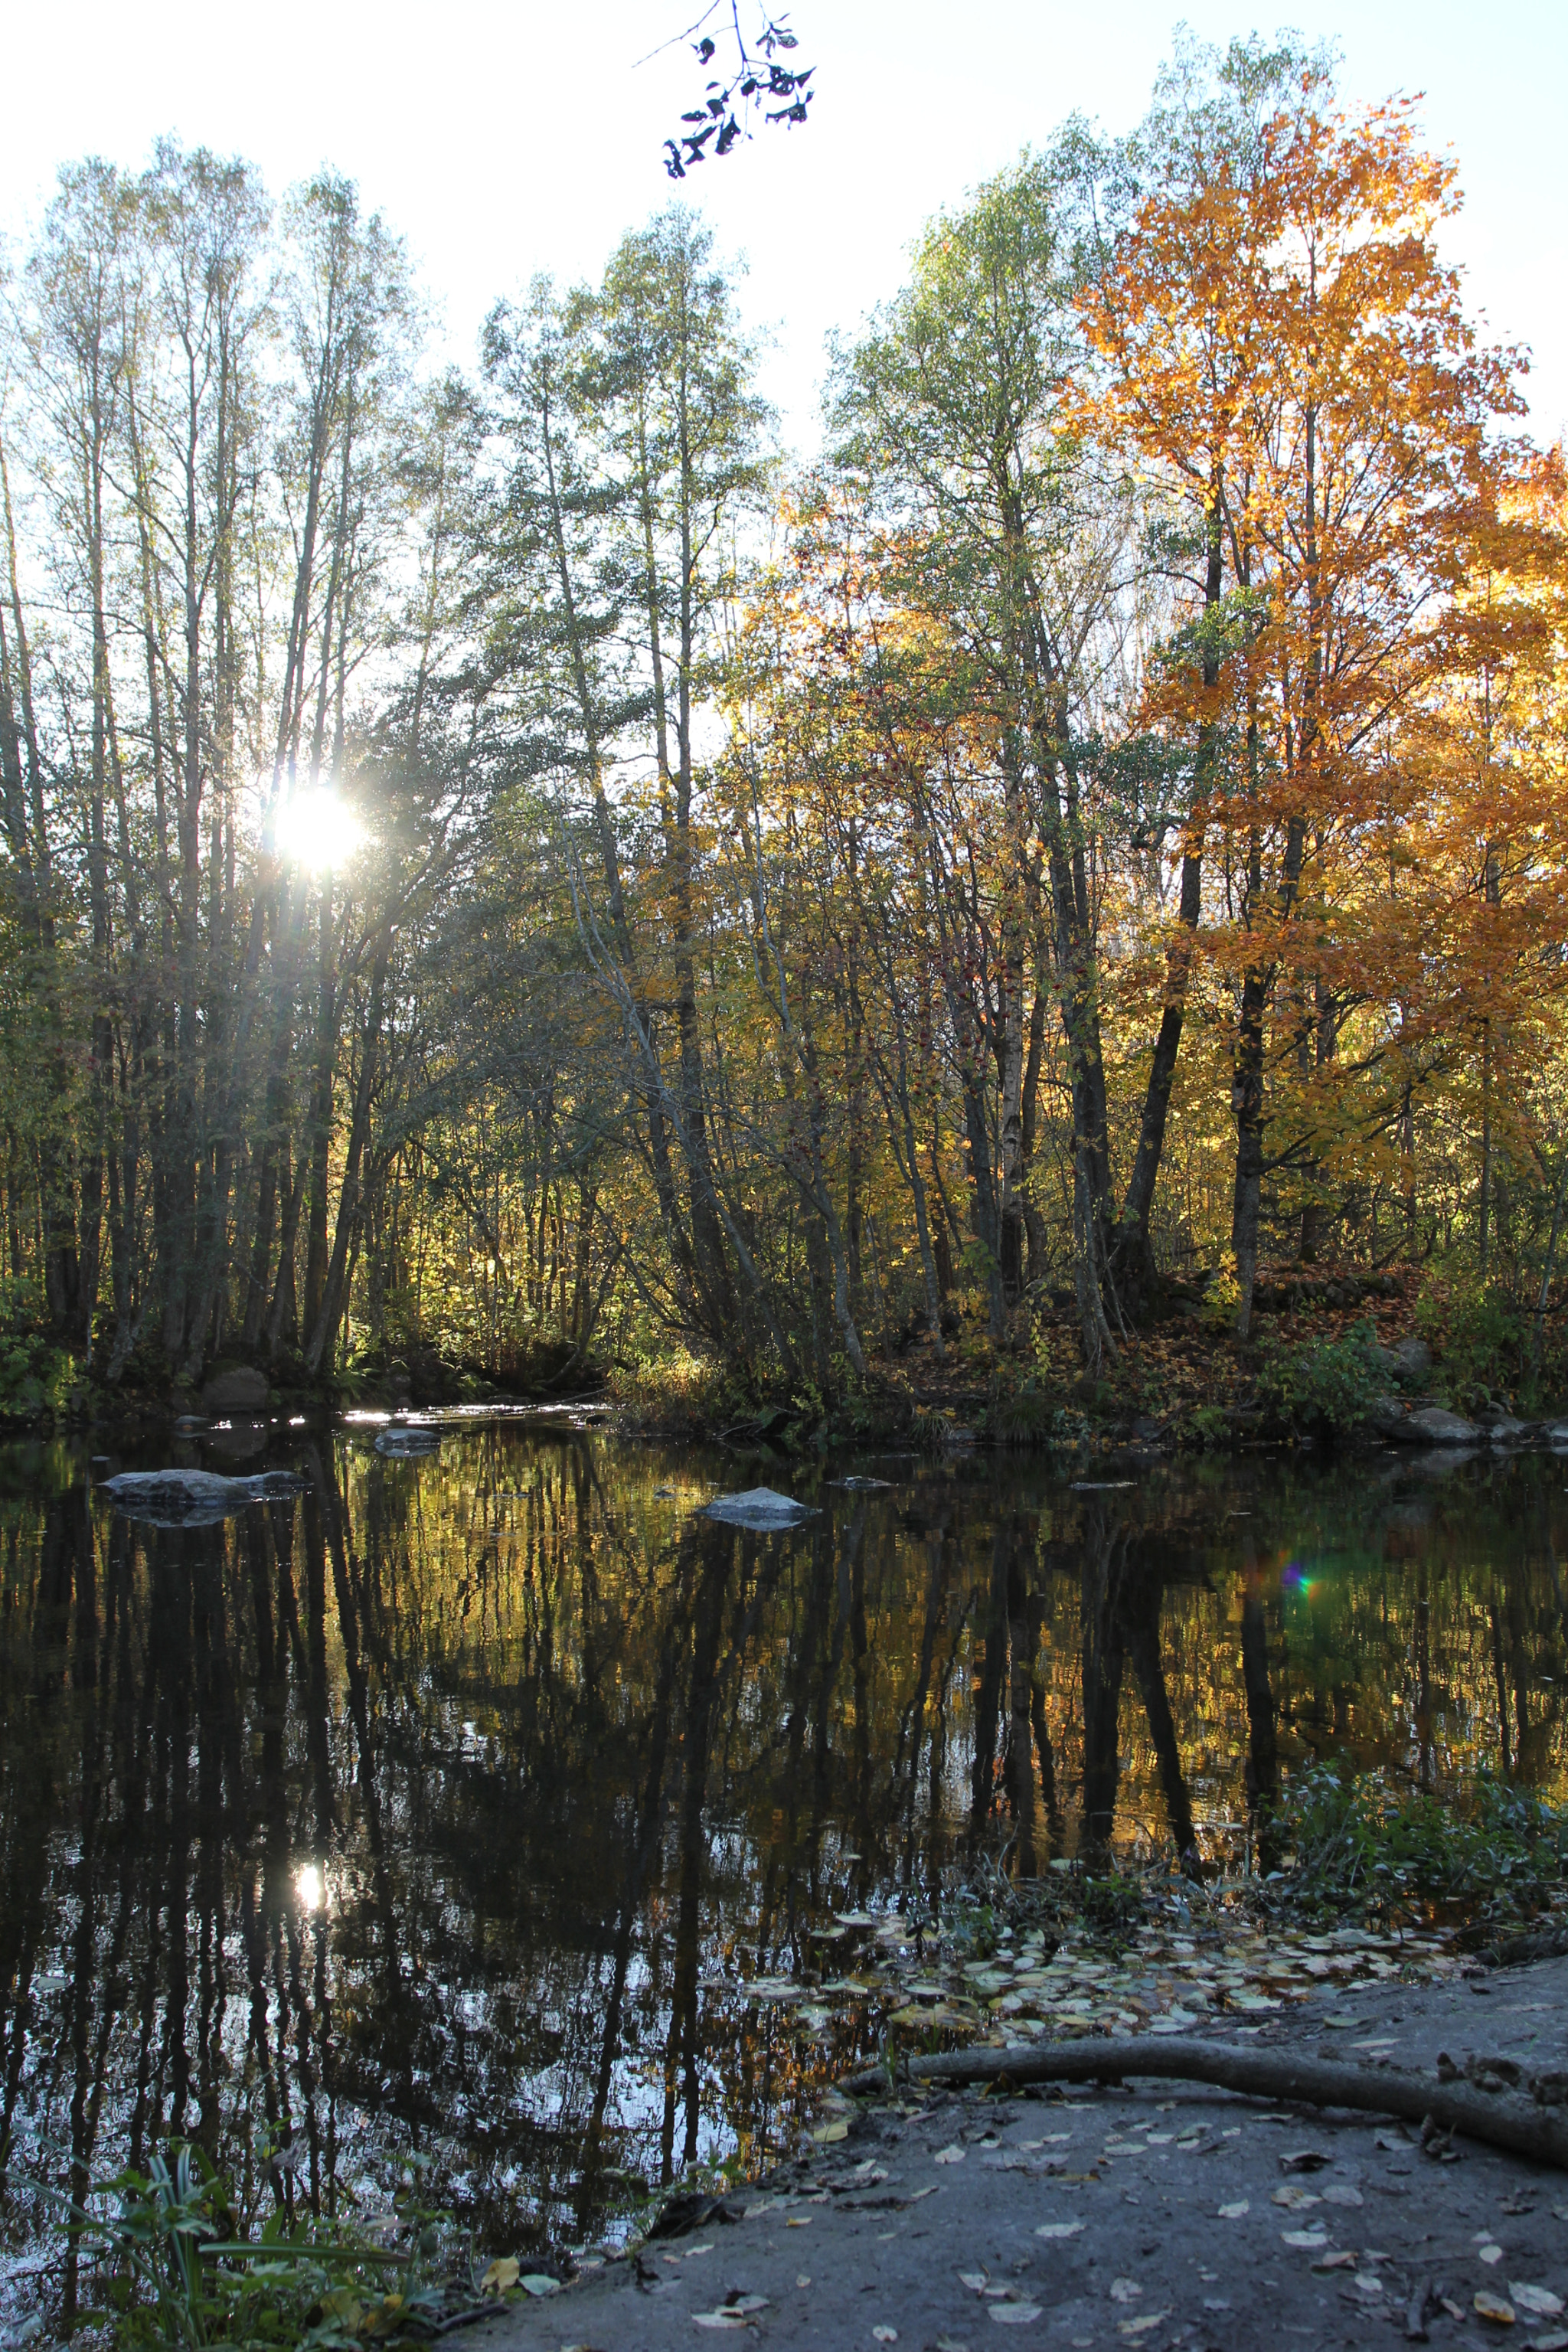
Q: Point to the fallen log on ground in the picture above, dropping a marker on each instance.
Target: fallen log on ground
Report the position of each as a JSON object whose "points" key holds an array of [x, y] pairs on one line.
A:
{"points": [[1507, 2119]]}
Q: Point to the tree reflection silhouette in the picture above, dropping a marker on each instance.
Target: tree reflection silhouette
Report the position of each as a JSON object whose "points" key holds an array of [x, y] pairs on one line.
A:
{"points": [[568, 1769]]}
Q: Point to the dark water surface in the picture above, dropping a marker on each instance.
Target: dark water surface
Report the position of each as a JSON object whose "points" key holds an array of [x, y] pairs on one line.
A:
{"points": [[456, 1804]]}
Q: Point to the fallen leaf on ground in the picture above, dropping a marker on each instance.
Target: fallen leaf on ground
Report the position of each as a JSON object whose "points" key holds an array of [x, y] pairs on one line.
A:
{"points": [[1014, 2315], [1134, 2328], [951, 2155], [539, 2283], [1059, 2230], [975, 2281], [1312, 2239], [1304, 2159], [1297, 2199], [1125, 2290], [884, 2335], [1539, 2300], [826, 2134], [1340, 2261], [1234, 2212], [1341, 2193], [1493, 2308], [801, 2279], [1490, 2254], [1369, 2283], [502, 2273]]}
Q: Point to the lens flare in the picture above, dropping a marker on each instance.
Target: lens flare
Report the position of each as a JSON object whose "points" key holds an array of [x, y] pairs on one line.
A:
{"points": [[316, 829]]}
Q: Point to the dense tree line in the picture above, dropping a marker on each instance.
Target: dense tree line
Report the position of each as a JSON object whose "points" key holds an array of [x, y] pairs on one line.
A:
{"points": [[502, 865]]}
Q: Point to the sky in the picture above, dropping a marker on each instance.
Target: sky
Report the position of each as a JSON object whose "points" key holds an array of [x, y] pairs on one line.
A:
{"points": [[504, 140]]}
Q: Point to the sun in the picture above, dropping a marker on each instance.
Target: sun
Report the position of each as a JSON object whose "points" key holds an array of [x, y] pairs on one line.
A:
{"points": [[311, 1885], [315, 828]]}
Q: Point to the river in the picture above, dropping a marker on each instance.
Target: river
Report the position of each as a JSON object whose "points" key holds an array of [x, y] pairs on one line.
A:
{"points": [[455, 1807]]}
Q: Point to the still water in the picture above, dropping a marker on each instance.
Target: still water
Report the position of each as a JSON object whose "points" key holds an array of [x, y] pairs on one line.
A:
{"points": [[454, 1805]]}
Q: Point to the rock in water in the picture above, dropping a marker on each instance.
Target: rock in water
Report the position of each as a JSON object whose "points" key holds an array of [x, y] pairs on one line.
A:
{"points": [[759, 1506], [409, 1445], [1434, 1426], [194, 1498], [242, 1390]]}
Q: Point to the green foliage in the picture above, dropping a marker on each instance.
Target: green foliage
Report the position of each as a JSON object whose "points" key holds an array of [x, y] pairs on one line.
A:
{"points": [[1328, 1389], [1113, 1906], [1359, 1843], [1026, 1415], [35, 1377], [1206, 1426], [1479, 1338], [178, 2274]]}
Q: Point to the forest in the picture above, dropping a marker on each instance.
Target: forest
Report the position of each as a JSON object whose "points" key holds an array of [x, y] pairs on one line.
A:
{"points": [[507, 878]]}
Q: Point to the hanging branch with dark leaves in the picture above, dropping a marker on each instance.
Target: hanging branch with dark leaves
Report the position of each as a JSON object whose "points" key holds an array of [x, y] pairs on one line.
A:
{"points": [[754, 85]]}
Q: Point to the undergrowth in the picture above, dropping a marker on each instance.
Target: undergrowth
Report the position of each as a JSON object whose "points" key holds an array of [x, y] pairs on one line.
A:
{"points": [[1360, 1845], [177, 2268]]}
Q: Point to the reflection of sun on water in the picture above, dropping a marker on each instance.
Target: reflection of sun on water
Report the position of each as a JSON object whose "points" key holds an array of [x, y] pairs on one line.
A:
{"points": [[311, 1885], [314, 828]]}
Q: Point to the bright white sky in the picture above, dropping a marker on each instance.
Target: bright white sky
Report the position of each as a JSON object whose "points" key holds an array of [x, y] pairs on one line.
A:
{"points": [[504, 140]]}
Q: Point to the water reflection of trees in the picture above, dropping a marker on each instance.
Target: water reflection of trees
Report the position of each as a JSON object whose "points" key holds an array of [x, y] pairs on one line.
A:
{"points": [[577, 1765]]}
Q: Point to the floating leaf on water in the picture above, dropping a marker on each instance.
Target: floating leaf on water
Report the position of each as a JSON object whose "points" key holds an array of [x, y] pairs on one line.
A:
{"points": [[1493, 2308], [1539, 2300], [502, 2273]]}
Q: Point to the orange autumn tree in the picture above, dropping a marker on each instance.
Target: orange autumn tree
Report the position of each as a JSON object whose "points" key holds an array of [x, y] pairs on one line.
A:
{"points": [[1290, 358]]}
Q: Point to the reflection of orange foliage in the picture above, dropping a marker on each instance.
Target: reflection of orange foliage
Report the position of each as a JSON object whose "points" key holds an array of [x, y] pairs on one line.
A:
{"points": [[563, 1849]]}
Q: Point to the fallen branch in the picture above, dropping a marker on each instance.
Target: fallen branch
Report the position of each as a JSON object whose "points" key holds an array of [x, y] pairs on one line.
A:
{"points": [[1503, 2119], [1515, 1950]]}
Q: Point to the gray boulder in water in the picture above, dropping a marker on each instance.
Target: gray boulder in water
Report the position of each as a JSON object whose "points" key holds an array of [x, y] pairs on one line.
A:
{"points": [[1435, 1426], [194, 1498], [409, 1445], [759, 1506]]}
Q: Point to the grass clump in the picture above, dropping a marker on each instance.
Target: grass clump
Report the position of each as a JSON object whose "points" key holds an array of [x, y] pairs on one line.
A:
{"points": [[177, 2268]]}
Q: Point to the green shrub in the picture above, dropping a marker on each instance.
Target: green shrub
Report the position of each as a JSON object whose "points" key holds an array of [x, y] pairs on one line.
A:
{"points": [[1478, 1336], [1359, 1843], [1330, 1389], [35, 1377]]}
